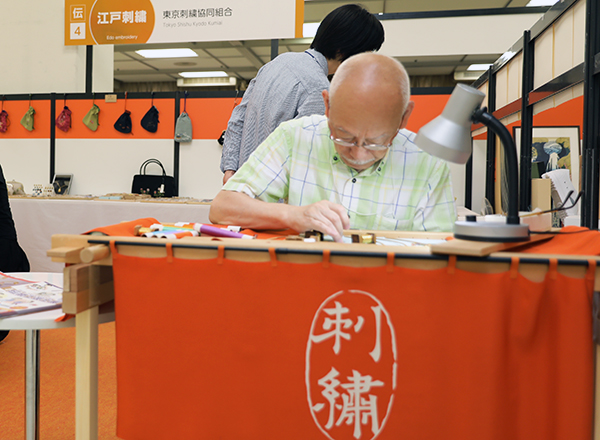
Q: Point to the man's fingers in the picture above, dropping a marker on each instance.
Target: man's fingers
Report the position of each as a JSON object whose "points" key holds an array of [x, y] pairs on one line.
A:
{"points": [[342, 214], [336, 224], [328, 218], [327, 228]]}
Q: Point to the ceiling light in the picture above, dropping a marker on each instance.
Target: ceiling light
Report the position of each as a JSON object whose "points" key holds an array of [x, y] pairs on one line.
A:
{"points": [[541, 2], [506, 56], [309, 30], [214, 74], [230, 81], [166, 53], [479, 67], [463, 75]]}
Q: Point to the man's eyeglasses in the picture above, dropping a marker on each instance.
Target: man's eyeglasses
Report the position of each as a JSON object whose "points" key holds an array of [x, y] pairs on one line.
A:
{"points": [[373, 147]]}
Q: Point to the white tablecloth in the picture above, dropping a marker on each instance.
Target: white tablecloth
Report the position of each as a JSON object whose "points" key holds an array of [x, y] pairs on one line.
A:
{"points": [[37, 219]]}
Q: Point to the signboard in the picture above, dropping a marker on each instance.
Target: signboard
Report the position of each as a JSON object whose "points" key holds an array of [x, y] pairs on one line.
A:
{"points": [[90, 22]]}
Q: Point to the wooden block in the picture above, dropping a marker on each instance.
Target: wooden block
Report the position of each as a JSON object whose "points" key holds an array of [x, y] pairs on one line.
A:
{"points": [[86, 286], [65, 254], [466, 247], [94, 253], [400, 234], [480, 248], [540, 194], [64, 245], [61, 240]]}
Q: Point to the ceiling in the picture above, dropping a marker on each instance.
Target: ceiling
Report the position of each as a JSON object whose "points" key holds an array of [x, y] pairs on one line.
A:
{"points": [[242, 59]]}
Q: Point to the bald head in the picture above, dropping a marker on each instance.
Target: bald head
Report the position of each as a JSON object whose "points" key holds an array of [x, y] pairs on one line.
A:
{"points": [[367, 103], [372, 77]]}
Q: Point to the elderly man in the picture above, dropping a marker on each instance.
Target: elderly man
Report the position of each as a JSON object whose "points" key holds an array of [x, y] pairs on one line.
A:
{"points": [[356, 167]]}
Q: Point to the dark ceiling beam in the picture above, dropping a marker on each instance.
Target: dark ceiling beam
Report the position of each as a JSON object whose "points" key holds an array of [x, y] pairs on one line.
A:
{"points": [[247, 53], [176, 71], [223, 66], [251, 44], [441, 63]]}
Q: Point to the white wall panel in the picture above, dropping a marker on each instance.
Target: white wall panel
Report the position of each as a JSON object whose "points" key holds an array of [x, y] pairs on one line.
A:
{"points": [[502, 87], [103, 65], [558, 99], [26, 161], [579, 33], [543, 59], [561, 47], [578, 90], [484, 89], [101, 166], [35, 59], [544, 105], [515, 75], [563, 43], [200, 176], [454, 35]]}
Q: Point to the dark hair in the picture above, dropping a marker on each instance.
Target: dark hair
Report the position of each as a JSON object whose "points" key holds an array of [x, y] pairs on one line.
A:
{"points": [[346, 31]]}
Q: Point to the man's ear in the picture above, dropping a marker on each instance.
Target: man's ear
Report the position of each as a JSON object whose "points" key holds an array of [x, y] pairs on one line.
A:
{"points": [[325, 94], [409, 108]]}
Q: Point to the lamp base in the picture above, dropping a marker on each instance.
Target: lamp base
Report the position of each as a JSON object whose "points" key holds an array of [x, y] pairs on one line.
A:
{"points": [[494, 232]]}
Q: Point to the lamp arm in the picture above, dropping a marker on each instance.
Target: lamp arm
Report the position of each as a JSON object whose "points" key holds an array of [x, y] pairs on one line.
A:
{"points": [[481, 115]]}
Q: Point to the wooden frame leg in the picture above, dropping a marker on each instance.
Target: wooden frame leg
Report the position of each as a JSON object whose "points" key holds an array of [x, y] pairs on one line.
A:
{"points": [[86, 375], [32, 384], [597, 396]]}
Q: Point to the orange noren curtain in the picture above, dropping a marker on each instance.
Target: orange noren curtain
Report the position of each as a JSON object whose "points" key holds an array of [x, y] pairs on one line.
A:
{"points": [[236, 350]]}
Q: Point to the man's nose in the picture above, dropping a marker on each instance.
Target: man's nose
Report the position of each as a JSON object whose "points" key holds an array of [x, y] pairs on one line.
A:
{"points": [[361, 152]]}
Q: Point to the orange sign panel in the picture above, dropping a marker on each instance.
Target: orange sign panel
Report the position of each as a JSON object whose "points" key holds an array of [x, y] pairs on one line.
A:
{"points": [[89, 22]]}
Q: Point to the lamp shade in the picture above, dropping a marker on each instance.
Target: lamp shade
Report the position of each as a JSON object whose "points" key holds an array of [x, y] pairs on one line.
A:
{"points": [[449, 135]]}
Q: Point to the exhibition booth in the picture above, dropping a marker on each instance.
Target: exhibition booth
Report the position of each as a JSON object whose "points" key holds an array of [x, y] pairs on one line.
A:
{"points": [[421, 335]]}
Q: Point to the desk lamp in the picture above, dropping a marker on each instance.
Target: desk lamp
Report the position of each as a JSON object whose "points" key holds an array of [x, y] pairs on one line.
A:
{"points": [[449, 137]]}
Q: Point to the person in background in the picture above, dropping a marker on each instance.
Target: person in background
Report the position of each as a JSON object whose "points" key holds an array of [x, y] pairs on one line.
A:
{"points": [[290, 86], [356, 167], [12, 257]]}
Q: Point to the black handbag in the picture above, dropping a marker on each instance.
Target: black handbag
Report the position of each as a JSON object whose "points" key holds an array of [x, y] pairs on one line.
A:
{"points": [[153, 184]]}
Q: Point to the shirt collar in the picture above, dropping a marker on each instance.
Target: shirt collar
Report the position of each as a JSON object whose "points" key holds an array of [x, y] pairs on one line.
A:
{"points": [[320, 59]]}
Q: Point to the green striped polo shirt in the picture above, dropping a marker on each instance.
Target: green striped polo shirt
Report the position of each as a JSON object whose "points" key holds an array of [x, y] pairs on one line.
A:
{"points": [[407, 190]]}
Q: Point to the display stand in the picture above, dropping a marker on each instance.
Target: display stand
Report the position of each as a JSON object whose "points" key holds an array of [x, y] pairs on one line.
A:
{"points": [[205, 258]]}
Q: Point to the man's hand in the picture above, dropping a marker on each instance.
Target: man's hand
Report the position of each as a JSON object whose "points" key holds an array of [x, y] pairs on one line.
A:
{"points": [[237, 208], [324, 216], [228, 174]]}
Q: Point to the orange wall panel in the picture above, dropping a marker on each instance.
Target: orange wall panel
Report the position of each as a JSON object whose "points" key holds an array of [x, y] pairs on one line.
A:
{"points": [[427, 108], [209, 117], [567, 114], [41, 120], [110, 112]]}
